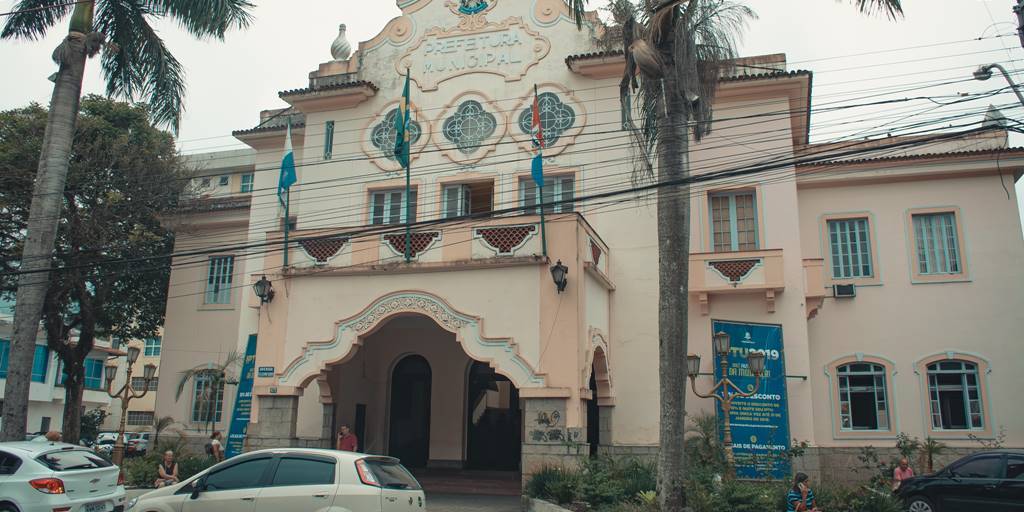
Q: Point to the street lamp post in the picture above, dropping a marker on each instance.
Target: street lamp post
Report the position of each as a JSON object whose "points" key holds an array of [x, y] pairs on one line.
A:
{"points": [[725, 391], [985, 72], [126, 394]]}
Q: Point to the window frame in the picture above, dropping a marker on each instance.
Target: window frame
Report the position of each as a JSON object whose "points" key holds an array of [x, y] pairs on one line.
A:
{"points": [[913, 257], [845, 372], [247, 183], [388, 205], [983, 371], [211, 299], [827, 255], [889, 369], [218, 410], [734, 245], [46, 363], [224, 180], [556, 180], [966, 369], [152, 351], [279, 459], [258, 483], [5, 357], [128, 418], [154, 383]]}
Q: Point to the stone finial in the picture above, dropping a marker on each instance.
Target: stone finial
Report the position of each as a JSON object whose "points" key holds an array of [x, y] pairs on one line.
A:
{"points": [[340, 48]]}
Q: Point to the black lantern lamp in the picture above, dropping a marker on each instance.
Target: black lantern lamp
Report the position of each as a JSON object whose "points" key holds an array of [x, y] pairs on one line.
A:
{"points": [[264, 290], [558, 273]]}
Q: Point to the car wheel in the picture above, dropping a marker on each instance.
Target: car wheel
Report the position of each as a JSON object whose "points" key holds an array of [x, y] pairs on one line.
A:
{"points": [[7, 507], [920, 504]]}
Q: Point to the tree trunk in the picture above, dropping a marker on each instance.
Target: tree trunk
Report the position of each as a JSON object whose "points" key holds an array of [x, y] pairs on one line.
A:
{"points": [[45, 211], [74, 388], [673, 279]]}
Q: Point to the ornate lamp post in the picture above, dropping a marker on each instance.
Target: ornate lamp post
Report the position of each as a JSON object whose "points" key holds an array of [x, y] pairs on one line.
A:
{"points": [[126, 394], [725, 391]]}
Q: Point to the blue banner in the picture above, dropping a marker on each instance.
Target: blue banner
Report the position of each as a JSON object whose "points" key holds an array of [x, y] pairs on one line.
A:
{"points": [[760, 424], [243, 403]]}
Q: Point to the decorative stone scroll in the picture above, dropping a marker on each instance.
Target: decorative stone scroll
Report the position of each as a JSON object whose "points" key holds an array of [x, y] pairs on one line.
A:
{"points": [[419, 242], [322, 250], [735, 270], [505, 240]]}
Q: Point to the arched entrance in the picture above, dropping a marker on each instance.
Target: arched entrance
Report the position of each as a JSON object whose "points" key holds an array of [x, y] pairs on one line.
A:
{"points": [[493, 421], [593, 416], [409, 425]]}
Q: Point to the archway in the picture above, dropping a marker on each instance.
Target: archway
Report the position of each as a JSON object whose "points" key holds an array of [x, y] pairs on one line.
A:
{"points": [[493, 421], [409, 425], [593, 416]]}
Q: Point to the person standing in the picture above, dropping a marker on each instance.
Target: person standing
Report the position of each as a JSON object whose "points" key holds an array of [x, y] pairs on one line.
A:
{"points": [[902, 472], [347, 441]]}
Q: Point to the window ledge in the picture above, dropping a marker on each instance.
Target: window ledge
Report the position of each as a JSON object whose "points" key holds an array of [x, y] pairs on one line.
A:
{"points": [[941, 280], [216, 307]]}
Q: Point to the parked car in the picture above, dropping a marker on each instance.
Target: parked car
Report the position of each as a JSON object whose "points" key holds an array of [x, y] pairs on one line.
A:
{"points": [[106, 435], [991, 480], [138, 444], [293, 479], [38, 477], [104, 447]]}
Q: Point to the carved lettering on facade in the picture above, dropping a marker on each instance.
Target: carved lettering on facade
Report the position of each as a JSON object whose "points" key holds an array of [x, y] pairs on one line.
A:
{"points": [[508, 49]]}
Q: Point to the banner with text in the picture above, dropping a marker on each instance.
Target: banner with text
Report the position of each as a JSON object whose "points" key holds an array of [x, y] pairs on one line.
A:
{"points": [[243, 403], [760, 424]]}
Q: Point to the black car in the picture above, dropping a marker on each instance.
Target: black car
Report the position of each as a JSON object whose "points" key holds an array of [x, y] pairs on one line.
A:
{"points": [[989, 481]]}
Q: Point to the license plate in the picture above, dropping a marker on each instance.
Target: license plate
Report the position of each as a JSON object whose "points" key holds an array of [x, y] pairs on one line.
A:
{"points": [[95, 507]]}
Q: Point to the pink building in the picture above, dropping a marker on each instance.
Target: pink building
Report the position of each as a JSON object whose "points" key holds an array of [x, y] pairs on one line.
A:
{"points": [[469, 356]]}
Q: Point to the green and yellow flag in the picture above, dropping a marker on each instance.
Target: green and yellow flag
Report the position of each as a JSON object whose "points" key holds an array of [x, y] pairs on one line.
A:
{"points": [[402, 121]]}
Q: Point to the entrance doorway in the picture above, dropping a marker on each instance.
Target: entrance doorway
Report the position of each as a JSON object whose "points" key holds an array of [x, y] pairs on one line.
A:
{"points": [[409, 428], [493, 421], [593, 416]]}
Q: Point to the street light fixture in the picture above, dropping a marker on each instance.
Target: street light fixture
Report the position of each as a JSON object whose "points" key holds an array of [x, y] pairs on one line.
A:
{"points": [[126, 394], [558, 273], [985, 72], [263, 289], [725, 391]]}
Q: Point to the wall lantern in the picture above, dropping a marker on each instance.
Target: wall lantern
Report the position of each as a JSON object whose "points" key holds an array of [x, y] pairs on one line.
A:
{"points": [[558, 273], [264, 290]]}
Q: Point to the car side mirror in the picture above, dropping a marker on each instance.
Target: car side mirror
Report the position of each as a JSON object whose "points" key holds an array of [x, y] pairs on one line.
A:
{"points": [[198, 487]]}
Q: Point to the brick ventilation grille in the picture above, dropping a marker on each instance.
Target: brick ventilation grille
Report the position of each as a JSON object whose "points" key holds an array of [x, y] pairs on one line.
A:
{"points": [[323, 249], [420, 242], [595, 251], [735, 270], [504, 239]]}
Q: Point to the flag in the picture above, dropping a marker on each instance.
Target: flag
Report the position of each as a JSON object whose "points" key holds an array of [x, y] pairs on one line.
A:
{"points": [[402, 122], [287, 178], [537, 166]]}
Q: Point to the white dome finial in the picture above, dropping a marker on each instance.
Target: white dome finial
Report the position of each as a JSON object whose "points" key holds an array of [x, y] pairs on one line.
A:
{"points": [[340, 48]]}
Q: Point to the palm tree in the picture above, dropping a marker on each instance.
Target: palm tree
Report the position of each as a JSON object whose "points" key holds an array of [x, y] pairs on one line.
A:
{"points": [[675, 52], [215, 377], [136, 65]]}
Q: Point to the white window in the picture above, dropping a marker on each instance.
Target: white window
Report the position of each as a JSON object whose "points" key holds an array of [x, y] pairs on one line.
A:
{"points": [[139, 383], [247, 182], [851, 248], [955, 395], [938, 245], [559, 193], [388, 207], [152, 347], [863, 403], [457, 200], [218, 279], [734, 221], [140, 418], [207, 403]]}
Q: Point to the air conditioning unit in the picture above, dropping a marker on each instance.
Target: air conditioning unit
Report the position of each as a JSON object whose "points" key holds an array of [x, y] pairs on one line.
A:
{"points": [[844, 291]]}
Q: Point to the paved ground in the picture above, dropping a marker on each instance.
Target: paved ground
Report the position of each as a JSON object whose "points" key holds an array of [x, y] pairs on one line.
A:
{"points": [[442, 502]]}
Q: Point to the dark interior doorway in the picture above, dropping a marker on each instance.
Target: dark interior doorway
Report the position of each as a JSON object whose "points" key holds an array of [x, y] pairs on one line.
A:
{"points": [[409, 432], [494, 439], [593, 416]]}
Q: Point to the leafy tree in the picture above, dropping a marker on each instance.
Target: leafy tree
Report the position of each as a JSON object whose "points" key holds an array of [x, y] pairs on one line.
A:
{"points": [[124, 174], [91, 423], [675, 53], [136, 64]]}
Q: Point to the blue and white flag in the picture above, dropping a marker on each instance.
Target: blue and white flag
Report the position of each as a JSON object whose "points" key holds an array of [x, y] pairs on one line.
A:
{"points": [[287, 178]]}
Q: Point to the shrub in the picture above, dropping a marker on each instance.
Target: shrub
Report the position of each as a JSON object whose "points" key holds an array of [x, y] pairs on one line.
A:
{"points": [[553, 483], [142, 472]]}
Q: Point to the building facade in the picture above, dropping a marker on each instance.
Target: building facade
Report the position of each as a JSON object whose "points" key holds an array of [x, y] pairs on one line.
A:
{"points": [[140, 415], [460, 351]]}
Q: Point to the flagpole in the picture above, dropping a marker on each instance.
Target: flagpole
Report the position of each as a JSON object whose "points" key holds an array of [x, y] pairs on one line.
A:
{"points": [[408, 175], [287, 204], [540, 186]]}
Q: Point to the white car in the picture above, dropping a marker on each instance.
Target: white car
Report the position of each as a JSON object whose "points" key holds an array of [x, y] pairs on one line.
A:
{"points": [[38, 477], [292, 479]]}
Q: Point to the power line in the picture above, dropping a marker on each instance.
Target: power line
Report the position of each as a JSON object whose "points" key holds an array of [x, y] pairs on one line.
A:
{"points": [[45, 7]]}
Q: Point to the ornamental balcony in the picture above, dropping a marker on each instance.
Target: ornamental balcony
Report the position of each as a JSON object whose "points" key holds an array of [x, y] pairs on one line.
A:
{"points": [[449, 246], [721, 273]]}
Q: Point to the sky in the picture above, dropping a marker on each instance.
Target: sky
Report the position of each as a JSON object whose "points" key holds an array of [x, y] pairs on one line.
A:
{"points": [[855, 58]]}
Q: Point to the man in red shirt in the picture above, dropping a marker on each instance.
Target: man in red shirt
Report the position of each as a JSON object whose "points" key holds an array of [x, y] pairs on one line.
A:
{"points": [[347, 441]]}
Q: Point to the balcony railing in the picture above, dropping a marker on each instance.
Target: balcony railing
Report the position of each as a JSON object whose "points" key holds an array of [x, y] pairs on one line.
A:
{"points": [[736, 272]]}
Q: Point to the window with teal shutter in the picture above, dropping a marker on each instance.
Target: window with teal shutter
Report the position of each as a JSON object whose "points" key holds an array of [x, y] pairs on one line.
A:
{"points": [[93, 374], [152, 348], [5, 348], [40, 363], [851, 248], [938, 245]]}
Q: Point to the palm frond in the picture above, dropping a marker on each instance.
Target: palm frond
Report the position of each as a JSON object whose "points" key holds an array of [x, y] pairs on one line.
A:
{"points": [[892, 9], [32, 18], [577, 8], [206, 18]]}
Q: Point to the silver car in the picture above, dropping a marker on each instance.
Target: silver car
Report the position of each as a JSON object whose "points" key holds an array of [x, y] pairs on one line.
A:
{"points": [[292, 479], [38, 477]]}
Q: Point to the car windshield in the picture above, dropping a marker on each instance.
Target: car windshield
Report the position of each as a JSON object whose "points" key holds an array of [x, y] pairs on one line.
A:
{"points": [[392, 474], [72, 460]]}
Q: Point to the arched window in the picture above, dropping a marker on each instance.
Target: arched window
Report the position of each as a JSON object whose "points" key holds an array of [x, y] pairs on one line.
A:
{"points": [[955, 395], [863, 402]]}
